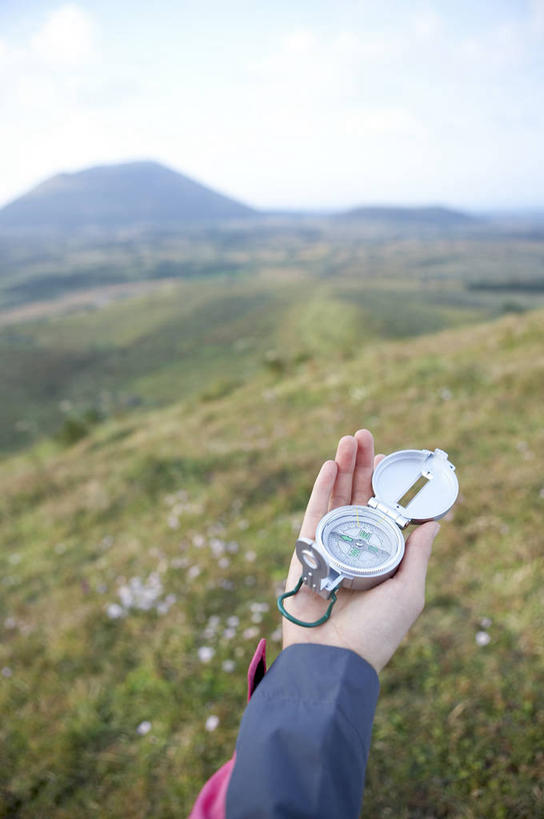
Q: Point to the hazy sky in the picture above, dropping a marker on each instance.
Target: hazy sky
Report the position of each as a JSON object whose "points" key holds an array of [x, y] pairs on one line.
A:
{"points": [[290, 103]]}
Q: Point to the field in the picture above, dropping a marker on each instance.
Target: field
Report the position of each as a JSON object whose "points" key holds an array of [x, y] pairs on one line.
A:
{"points": [[144, 323], [194, 418]]}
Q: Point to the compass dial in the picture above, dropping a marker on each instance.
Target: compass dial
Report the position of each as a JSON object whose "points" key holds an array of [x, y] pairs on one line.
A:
{"points": [[360, 540]]}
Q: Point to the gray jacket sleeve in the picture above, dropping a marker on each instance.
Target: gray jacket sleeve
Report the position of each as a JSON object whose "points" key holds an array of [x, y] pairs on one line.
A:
{"points": [[304, 737]]}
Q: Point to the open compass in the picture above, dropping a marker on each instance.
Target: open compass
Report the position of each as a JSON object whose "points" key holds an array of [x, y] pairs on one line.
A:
{"points": [[358, 547]]}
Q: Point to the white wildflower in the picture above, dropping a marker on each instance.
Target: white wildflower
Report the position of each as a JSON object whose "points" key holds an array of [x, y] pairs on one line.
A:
{"points": [[211, 627], [212, 722], [223, 563], [256, 617], [228, 666], [485, 622], [199, 541], [232, 547], [243, 524], [276, 635], [115, 611], [60, 548], [10, 622], [217, 546], [6, 671], [125, 596], [143, 728], [233, 621], [228, 585], [251, 555], [358, 393], [137, 594], [482, 638], [250, 632], [193, 572], [14, 559], [173, 521], [205, 654], [445, 394], [229, 633]]}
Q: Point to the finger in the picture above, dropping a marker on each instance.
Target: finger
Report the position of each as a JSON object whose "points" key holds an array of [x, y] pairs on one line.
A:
{"points": [[345, 459], [319, 499], [364, 466], [413, 569], [377, 459]]}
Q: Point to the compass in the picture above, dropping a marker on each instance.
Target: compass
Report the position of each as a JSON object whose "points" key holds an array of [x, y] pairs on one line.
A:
{"points": [[358, 547]]}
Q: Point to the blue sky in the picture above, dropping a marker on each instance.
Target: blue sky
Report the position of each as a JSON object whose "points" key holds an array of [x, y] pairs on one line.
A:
{"points": [[329, 103]]}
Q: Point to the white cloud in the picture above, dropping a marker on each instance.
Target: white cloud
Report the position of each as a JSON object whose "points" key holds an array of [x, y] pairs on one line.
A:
{"points": [[397, 122], [503, 46], [300, 42], [427, 25], [66, 37], [537, 15]]}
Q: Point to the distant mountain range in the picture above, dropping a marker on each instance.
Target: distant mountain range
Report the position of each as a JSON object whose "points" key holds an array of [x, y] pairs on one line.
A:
{"points": [[436, 215], [133, 194], [117, 196]]}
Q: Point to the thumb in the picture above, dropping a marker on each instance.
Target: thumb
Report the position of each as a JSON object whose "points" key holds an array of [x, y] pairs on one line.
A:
{"points": [[413, 569]]}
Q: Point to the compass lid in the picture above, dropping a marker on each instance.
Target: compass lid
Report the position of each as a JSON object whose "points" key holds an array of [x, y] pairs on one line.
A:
{"points": [[419, 484]]}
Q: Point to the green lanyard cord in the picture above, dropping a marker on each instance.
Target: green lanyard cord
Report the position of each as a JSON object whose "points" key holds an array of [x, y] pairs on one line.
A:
{"points": [[295, 620]]}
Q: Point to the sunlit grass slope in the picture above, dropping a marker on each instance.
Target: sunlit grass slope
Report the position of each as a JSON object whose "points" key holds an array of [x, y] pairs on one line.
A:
{"points": [[140, 566], [209, 335]]}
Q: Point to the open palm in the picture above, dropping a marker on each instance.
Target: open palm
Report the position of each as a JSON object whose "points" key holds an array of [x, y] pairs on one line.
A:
{"points": [[371, 623]]}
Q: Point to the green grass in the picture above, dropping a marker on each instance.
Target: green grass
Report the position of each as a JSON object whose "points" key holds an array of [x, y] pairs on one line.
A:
{"points": [[294, 297], [224, 476]]}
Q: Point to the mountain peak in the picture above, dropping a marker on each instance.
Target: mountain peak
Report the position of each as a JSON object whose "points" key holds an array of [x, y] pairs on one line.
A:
{"points": [[116, 196]]}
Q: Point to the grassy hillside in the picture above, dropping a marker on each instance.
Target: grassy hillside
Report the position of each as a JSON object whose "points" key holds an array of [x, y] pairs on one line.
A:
{"points": [[257, 299], [181, 518]]}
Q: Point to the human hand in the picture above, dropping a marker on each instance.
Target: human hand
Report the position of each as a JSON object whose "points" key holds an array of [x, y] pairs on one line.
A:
{"points": [[372, 623]]}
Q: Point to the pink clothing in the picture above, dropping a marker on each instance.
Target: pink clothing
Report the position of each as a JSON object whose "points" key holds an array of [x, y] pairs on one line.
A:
{"points": [[211, 800]]}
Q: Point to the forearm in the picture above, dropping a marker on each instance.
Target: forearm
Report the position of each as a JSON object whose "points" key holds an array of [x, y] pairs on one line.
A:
{"points": [[305, 736]]}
